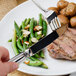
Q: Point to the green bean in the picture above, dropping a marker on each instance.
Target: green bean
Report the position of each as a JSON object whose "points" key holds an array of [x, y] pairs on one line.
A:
{"points": [[36, 34], [31, 27], [17, 29], [44, 66], [19, 50], [10, 40], [44, 28], [40, 23], [25, 39], [14, 44], [33, 58], [19, 45], [21, 37], [37, 55], [27, 21], [34, 63], [39, 36], [41, 54], [23, 23], [35, 22], [24, 47], [40, 20], [20, 27], [30, 42]]}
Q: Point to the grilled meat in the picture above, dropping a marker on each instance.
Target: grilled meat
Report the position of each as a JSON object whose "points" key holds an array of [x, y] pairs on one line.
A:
{"points": [[65, 46]]}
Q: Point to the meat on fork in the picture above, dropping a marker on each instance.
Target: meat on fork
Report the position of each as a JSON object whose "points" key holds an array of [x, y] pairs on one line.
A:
{"points": [[65, 46]]}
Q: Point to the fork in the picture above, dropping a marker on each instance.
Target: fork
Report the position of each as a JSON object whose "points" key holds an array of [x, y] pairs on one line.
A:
{"points": [[50, 17]]}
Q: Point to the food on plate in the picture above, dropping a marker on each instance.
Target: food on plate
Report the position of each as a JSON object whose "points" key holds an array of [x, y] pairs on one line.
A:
{"points": [[73, 21], [30, 32], [62, 4], [72, 30], [10, 40], [35, 62], [65, 46], [63, 12], [63, 20], [14, 43], [54, 9], [67, 9], [71, 9]]}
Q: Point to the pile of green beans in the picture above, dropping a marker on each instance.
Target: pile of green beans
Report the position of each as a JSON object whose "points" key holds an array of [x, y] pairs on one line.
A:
{"points": [[18, 40]]}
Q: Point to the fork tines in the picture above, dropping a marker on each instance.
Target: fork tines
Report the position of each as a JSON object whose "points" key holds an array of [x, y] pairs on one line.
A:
{"points": [[55, 24], [53, 20]]}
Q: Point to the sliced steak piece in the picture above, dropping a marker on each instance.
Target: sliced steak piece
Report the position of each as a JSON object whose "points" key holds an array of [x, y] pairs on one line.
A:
{"points": [[73, 31], [68, 42], [56, 52], [70, 35], [65, 46]]}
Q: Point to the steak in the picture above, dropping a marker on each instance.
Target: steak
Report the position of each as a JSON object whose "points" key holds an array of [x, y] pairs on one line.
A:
{"points": [[65, 46]]}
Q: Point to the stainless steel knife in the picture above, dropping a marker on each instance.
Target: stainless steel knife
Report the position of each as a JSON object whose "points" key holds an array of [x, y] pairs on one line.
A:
{"points": [[39, 45]]}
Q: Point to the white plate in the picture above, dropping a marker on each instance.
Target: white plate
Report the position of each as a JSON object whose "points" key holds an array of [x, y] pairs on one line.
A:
{"points": [[27, 10]]}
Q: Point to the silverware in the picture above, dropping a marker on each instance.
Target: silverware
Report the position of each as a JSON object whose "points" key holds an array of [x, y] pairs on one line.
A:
{"points": [[57, 31], [38, 5], [40, 45], [50, 16]]}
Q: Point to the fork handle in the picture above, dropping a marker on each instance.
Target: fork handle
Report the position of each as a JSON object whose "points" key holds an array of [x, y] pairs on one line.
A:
{"points": [[38, 5]]}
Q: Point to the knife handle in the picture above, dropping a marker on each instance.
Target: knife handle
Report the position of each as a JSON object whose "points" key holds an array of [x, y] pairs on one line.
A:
{"points": [[18, 58], [44, 42]]}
